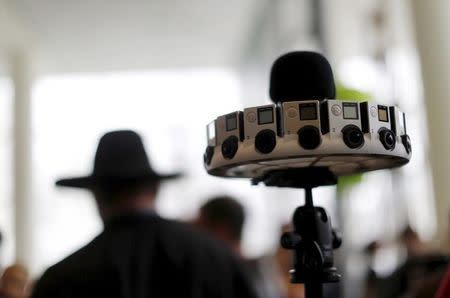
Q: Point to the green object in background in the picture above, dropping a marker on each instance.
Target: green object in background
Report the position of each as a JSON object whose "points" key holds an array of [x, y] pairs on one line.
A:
{"points": [[345, 182], [348, 94]]}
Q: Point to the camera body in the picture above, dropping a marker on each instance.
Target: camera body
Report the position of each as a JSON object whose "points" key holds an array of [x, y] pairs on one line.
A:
{"points": [[378, 121], [345, 137], [211, 142], [398, 125], [301, 119], [211, 134], [260, 125], [342, 119], [229, 133], [229, 125]]}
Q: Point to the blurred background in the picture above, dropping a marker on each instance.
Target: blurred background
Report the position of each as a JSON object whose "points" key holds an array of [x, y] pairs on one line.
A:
{"points": [[72, 70]]}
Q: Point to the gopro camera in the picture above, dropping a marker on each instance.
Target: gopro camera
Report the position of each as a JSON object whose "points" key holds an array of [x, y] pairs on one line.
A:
{"points": [[398, 126], [301, 118], [211, 141], [341, 118], [211, 133], [377, 121], [261, 125], [229, 132]]}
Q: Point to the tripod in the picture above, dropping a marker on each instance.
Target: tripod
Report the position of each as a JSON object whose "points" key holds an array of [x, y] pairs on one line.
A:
{"points": [[313, 238]]}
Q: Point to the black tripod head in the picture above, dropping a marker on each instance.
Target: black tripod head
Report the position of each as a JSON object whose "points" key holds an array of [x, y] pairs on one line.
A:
{"points": [[313, 241], [313, 238]]}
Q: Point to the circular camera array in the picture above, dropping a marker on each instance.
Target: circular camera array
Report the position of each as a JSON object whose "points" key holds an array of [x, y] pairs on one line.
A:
{"points": [[297, 134]]}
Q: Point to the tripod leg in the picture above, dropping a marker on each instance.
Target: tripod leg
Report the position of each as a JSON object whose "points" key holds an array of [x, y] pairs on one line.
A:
{"points": [[308, 197]]}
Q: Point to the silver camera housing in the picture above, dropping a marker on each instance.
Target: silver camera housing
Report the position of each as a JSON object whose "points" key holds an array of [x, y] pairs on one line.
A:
{"points": [[378, 117], [229, 125], [378, 123], [398, 125], [340, 115], [257, 119], [398, 122], [298, 114], [267, 138], [211, 134]]}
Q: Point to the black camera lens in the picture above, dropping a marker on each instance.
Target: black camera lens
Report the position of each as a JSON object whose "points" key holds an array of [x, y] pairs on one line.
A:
{"points": [[265, 141], [309, 137], [230, 147], [207, 157], [407, 143], [387, 138], [353, 136]]}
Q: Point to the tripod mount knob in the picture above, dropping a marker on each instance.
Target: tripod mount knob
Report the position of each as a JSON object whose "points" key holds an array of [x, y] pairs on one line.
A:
{"points": [[290, 240], [337, 238]]}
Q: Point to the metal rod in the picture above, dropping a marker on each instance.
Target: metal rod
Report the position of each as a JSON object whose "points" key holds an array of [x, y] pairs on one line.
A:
{"points": [[308, 197], [313, 290]]}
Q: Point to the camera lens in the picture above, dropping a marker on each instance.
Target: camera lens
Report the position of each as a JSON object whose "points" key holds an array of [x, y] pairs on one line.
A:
{"points": [[230, 147], [207, 157], [387, 138], [265, 141], [353, 136], [407, 143], [309, 137]]}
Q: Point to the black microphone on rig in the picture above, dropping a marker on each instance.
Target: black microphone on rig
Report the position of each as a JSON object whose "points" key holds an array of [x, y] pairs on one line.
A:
{"points": [[301, 75]]}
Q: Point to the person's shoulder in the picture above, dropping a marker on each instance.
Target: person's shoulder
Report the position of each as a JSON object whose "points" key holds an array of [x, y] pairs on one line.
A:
{"points": [[85, 256], [212, 257], [66, 269]]}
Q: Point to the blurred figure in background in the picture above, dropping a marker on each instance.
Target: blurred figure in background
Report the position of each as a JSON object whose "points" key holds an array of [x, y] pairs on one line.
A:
{"points": [[139, 254], [414, 246], [420, 274], [1, 240], [223, 217], [14, 282], [444, 285], [372, 280]]}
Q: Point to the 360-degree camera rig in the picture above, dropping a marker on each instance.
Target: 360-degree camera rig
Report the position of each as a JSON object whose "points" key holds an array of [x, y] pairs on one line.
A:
{"points": [[307, 139]]}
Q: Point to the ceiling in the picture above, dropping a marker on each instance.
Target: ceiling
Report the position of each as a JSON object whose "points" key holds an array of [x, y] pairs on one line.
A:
{"points": [[105, 35]]}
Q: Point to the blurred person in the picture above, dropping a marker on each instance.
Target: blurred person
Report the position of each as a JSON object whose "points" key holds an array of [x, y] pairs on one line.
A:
{"points": [[372, 279], [223, 217], [421, 272], [444, 286], [1, 240], [139, 254], [414, 246], [14, 282]]}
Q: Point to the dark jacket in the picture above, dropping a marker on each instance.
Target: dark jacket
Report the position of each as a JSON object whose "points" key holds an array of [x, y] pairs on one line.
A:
{"points": [[146, 256]]}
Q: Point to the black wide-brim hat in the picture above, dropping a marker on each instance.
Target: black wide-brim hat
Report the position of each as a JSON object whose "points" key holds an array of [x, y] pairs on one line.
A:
{"points": [[120, 158]]}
